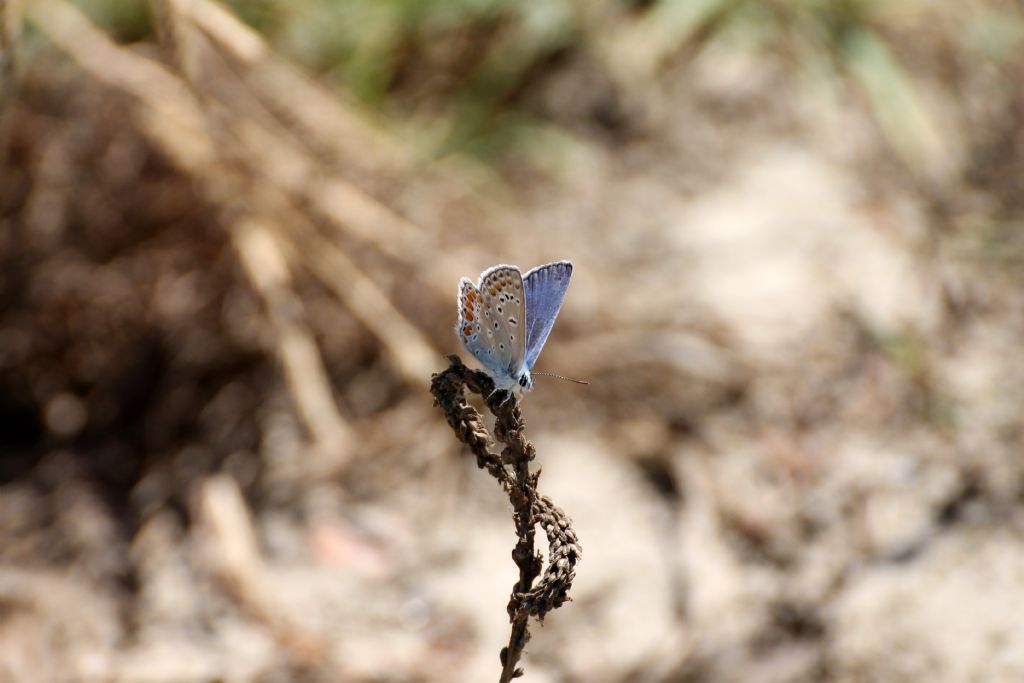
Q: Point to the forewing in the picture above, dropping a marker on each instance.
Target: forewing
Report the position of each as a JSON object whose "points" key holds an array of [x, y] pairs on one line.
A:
{"points": [[492, 320], [545, 289]]}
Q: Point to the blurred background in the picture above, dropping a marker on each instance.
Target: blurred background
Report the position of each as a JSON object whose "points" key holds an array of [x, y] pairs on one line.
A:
{"points": [[230, 238]]}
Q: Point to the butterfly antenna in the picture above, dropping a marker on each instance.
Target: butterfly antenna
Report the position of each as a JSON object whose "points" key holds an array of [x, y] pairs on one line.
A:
{"points": [[567, 379]]}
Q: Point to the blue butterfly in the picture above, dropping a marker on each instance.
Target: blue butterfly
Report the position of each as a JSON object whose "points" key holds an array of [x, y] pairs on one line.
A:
{"points": [[506, 317]]}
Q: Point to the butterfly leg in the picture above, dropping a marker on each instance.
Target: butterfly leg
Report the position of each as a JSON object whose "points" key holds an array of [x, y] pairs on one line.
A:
{"points": [[504, 401]]}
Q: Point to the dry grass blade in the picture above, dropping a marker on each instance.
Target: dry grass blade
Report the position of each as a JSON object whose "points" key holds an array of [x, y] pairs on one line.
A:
{"points": [[165, 19], [902, 114]]}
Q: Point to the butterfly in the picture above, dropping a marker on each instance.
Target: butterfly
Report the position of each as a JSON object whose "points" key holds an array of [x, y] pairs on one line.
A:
{"points": [[506, 317]]}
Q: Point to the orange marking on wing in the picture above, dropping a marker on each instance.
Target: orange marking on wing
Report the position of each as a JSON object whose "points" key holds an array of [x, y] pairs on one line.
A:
{"points": [[469, 315], [493, 292]]}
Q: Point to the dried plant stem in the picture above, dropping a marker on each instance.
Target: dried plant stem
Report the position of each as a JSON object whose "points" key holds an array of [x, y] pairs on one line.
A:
{"points": [[523, 494], [512, 470]]}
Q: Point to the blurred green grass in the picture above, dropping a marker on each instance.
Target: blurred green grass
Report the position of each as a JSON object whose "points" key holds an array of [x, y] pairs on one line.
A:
{"points": [[462, 69]]}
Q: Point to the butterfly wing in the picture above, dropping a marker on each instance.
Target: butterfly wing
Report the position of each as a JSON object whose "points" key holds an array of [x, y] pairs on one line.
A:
{"points": [[492, 320], [545, 289]]}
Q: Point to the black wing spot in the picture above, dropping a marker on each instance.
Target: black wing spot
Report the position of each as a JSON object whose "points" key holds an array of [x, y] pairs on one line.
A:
{"points": [[501, 346], [512, 321], [511, 338], [495, 324], [499, 309]]}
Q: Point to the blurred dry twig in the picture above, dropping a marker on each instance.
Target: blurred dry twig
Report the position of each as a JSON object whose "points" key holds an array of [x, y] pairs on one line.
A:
{"points": [[268, 271], [512, 470]]}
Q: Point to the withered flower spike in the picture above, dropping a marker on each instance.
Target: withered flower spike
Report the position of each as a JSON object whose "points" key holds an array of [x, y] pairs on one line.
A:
{"points": [[512, 470]]}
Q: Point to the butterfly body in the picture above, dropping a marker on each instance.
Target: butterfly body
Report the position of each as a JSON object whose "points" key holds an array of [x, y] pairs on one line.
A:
{"points": [[505, 318]]}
